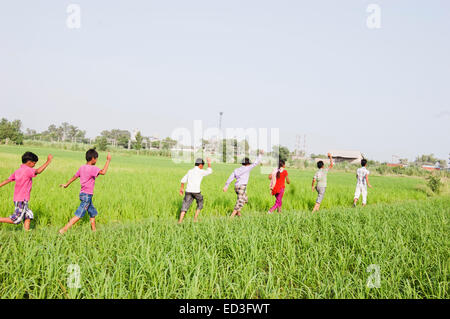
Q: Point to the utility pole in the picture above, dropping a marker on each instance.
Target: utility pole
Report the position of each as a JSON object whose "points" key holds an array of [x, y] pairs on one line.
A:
{"points": [[299, 150], [220, 133], [220, 121], [297, 145], [304, 145]]}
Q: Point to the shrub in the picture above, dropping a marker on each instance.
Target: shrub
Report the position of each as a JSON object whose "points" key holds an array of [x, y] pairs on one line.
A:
{"points": [[382, 169], [434, 183]]}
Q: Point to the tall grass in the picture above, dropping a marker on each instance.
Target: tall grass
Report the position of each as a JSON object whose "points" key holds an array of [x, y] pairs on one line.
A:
{"points": [[140, 252], [293, 255]]}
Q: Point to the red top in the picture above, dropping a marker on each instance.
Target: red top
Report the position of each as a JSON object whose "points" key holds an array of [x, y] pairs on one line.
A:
{"points": [[281, 182]]}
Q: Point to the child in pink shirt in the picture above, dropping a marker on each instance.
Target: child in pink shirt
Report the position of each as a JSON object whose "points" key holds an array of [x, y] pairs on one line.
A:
{"points": [[87, 174], [23, 177]]}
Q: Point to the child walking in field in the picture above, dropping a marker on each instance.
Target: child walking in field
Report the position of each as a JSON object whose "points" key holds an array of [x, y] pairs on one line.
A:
{"points": [[321, 178], [362, 181], [193, 179], [23, 177], [241, 175], [87, 174], [278, 178]]}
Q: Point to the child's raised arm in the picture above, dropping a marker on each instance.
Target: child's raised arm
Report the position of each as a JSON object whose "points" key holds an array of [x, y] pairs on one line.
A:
{"points": [[105, 169], [331, 161], [6, 181], [43, 167], [69, 182], [208, 171]]}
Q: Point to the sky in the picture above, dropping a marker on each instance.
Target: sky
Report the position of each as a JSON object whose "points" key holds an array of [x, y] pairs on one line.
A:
{"points": [[304, 67]]}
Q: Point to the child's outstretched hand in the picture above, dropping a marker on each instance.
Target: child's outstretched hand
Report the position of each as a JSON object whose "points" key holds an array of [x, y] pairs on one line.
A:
{"points": [[108, 157], [49, 157], [63, 185], [225, 189]]}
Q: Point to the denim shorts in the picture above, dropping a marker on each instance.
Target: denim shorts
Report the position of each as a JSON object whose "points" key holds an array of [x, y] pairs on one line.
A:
{"points": [[86, 206]]}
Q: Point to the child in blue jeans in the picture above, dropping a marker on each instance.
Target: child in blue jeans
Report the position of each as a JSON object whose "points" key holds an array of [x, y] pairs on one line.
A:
{"points": [[87, 174]]}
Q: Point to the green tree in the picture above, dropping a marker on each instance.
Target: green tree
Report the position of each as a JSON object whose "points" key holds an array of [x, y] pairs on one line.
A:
{"points": [[11, 131], [168, 143], [119, 137], [101, 143], [139, 139], [429, 159], [282, 152], [155, 144]]}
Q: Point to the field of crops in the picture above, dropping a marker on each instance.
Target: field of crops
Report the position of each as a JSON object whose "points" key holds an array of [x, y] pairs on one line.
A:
{"points": [[140, 252]]}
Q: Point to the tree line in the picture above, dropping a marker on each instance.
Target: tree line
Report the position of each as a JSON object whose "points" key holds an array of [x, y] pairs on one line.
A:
{"points": [[11, 133]]}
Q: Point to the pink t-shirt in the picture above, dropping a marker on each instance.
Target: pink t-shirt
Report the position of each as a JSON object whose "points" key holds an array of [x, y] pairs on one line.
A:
{"points": [[24, 182], [87, 175]]}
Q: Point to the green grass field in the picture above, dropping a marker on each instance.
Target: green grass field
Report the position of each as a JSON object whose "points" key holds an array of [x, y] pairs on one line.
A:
{"points": [[140, 252]]}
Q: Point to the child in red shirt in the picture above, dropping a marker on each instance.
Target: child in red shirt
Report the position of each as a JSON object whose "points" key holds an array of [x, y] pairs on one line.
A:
{"points": [[277, 185]]}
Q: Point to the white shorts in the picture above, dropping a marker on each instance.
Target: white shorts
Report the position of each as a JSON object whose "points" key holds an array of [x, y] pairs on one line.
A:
{"points": [[361, 189]]}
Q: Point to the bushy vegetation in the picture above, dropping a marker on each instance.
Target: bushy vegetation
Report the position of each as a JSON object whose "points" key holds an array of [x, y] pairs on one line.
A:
{"points": [[412, 170], [434, 183]]}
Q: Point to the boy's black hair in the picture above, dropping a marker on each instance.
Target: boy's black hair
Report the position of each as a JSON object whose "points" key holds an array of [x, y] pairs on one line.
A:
{"points": [[29, 156], [320, 164], [90, 154], [363, 162], [199, 161], [246, 161], [280, 165]]}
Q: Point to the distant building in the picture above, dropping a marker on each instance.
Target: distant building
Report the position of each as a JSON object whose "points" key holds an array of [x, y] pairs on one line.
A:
{"points": [[431, 168], [339, 156]]}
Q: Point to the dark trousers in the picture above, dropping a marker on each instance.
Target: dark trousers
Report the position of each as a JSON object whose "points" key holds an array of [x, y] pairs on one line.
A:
{"points": [[189, 198]]}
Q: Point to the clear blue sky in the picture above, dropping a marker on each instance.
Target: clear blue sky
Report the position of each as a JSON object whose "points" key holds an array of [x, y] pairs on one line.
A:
{"points": [[307, 67]]}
